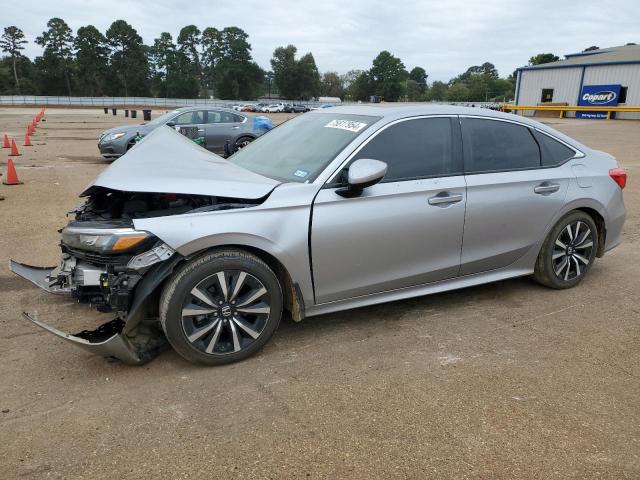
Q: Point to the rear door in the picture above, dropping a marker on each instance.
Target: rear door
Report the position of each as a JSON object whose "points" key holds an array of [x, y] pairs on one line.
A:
{"points": [[191, 123], [404, 231], [511, 195], [220, 127]]}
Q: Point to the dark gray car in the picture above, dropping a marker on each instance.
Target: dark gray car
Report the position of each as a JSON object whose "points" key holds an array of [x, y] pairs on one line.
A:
{"points": [[217, 125]]}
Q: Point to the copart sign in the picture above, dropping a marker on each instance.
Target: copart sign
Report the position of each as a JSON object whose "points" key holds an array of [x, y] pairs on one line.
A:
{"points": [[598, 96]]}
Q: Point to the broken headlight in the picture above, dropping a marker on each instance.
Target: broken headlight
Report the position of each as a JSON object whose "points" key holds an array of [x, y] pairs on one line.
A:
{"points": [[113, 240]]}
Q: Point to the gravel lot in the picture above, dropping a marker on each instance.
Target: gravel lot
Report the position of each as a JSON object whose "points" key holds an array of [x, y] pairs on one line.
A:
{"points": [[508, 380]]}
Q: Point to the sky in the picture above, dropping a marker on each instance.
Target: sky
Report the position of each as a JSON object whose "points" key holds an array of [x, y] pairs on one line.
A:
{"points": [[444, 37]]}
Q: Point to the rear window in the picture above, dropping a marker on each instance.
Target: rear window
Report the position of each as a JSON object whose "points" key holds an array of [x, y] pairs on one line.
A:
{"points": [[491, 145], [553, 152]]}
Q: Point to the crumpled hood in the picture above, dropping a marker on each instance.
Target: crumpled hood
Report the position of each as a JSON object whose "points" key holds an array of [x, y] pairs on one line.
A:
{"points": [[167, 162]]}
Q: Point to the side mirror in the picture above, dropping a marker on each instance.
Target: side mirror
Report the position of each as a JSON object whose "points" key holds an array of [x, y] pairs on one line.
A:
{"points": [[171, 124], [362, 173]]}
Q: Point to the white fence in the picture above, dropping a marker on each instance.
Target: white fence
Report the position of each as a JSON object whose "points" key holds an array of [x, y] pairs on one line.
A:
{"points": [[23, 100], [126, 101]]}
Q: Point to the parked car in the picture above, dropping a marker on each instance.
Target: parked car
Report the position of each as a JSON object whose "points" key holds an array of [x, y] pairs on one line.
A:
{"points": [[332, 210], [216, 125], [273, 108], [295, 108], [248, 107]]}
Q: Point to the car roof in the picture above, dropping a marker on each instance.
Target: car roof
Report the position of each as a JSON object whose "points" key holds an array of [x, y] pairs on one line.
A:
{"points": [[393, 111], [206, 107]]}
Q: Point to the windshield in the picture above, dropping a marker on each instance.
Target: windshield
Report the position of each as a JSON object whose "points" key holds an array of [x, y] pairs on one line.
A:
{"points": [[162, 118], [298, 150]]}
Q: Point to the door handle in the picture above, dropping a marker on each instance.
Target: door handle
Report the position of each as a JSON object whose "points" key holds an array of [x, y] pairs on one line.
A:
{"points": [[444, 198], [546, 187], [235, 128]]}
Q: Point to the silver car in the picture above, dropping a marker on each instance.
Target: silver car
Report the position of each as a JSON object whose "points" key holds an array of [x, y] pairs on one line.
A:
{"points": [[216, 126], [335, 209]]}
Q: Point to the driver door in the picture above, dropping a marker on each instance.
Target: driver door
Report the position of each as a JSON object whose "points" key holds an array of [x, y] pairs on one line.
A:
{"points": [[405, 230]]}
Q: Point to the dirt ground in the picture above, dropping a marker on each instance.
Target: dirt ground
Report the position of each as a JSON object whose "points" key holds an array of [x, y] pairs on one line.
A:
{"points": [[508, 380]]}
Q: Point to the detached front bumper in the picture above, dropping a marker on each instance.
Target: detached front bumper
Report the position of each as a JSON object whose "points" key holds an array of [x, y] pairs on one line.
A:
{"points": [[132, 338]]}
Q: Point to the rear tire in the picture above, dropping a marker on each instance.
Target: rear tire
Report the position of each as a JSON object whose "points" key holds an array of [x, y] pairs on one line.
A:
{"points": [[568, 252], [221, 307]]}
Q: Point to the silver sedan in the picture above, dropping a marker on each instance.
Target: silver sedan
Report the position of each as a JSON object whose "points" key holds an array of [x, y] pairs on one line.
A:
{"points": [[335, 209]]}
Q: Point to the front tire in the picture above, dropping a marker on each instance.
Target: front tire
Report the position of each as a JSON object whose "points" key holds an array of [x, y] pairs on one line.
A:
{"points": [[221, 307], [242, 142], [568, 252]]}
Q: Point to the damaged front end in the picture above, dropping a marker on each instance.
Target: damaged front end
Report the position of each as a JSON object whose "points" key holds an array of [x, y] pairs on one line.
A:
{"points": [[110, 265]]}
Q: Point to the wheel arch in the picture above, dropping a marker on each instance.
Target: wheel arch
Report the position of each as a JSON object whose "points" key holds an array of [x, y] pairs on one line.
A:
{"points": [[595, 210], [293, 300], [598, 219]]}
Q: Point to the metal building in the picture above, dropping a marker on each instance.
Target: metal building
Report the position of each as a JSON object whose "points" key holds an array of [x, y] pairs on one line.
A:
{"points": [[604, 77]]}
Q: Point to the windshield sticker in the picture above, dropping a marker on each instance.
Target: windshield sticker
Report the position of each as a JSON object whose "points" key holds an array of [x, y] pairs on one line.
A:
{"points": [[349, 125], [301, 173]]}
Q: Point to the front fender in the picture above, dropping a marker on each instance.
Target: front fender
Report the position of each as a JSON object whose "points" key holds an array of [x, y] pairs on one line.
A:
{"points": [[279, 227]]}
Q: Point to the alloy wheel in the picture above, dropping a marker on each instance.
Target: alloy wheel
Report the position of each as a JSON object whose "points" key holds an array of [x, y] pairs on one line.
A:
{"points": [[572, 251], [243, 143], [226, 312]]}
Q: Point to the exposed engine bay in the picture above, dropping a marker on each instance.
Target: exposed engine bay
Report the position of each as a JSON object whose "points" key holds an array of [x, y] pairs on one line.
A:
{"points": [[103, 204]]}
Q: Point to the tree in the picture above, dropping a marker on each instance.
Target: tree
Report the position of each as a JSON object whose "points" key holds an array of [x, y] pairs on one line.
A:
{"points": [[541, 58], [284, 67], [308, 77], [92, 58], [189, 41], [388, 75], [591, 48], [437, 92], [12, 42], [128, 60], [458, 92], [361, 88], [235, 74], [419, 75], [413, 90], [57, 42], [295, 79], [211, 54], [163, 57], [332, 85]]}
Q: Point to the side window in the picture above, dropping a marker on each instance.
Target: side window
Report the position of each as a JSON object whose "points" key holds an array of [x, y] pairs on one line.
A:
{"points": [[491, 145], [414, 148], [215, 116], [189, 118], [553, 152]]}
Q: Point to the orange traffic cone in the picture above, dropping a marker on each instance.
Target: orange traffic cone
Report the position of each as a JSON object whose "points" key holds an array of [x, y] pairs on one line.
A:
{"points": [[27, 140], [11, 178], [6, 142], [14, 149]]}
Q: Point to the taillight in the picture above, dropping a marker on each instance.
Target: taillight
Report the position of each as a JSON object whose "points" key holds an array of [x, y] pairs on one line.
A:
{"points": [[619, 176]]}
